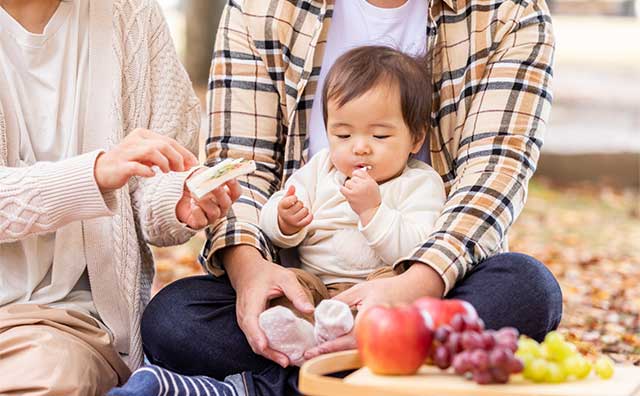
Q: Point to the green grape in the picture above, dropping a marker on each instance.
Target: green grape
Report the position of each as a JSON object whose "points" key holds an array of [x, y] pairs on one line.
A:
{"points": [[556, 348], [553, 337], [527, 360], [528, 346], [545, 352], [555, 373], [585, 368], [572, 365], [604, 367], [560, 352], [537, 370]]}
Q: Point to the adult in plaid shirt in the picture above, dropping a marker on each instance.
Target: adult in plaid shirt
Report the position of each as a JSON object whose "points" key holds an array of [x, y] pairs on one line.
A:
{"points": [[492, 72]]}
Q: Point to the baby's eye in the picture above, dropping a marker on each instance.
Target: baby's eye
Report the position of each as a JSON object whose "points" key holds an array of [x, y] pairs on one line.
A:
{"points": [[343, 136], [381, 137]]}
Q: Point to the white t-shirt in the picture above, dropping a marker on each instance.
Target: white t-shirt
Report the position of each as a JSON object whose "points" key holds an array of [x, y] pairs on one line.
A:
{"points": [[46, 77], [356, 23]]}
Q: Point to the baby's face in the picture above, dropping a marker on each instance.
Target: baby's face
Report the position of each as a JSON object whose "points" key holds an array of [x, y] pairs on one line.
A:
{"points": [[369, 131]]}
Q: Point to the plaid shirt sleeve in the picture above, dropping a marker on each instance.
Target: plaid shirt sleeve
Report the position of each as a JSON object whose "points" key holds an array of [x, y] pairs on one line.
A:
{"points": [[507, 103], [245, 122]]}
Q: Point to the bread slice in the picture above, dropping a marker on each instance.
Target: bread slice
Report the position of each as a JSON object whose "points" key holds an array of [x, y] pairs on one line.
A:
{"points": [[212, 178]]}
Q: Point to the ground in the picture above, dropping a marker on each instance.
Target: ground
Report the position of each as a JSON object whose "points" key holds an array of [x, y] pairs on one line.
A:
{"points": [[587, 235]]}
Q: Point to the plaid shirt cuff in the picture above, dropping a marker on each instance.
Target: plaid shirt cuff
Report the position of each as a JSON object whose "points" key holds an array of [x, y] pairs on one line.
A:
{"points": [[232, 233]]}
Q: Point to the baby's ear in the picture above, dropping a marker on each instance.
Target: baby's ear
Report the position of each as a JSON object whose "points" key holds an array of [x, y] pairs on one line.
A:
{"points": [[418, 141]]}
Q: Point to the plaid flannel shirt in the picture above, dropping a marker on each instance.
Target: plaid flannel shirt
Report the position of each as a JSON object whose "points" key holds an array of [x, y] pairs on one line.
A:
{"points": [[492, 75]]}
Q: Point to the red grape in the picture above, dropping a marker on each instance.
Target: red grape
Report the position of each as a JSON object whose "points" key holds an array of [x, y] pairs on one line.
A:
{"points": [[457, 323], [453, 343], [461, 363], [480, 359], [499, 375], [482, 377], [442, 357], [471, 340], [499, 357], [488, 341], [442, 333], [516, 365]]}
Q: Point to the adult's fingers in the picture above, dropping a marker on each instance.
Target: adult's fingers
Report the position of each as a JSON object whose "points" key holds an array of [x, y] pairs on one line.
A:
{"points": [[295, 293], [150, 156], [351, 296], [235, 189], [347, 341], [190, 160], [221, 197], [176, 159], [248, 311], [138, 169], [198, 218], [211, 210]]}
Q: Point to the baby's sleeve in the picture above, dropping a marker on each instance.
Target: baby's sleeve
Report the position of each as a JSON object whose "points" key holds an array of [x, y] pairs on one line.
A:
{"points": [[406, 220]]}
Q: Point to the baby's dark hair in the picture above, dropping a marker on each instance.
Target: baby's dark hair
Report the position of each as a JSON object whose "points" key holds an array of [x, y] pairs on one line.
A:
{"points": [[360, 69]]}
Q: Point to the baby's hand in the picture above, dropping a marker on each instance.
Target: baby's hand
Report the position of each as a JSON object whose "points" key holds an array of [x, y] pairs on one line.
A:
{"points": [[363, 194], [292, 215]]}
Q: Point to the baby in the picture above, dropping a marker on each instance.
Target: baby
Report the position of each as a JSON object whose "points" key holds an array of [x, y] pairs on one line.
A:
{"points": [[362, 206]]}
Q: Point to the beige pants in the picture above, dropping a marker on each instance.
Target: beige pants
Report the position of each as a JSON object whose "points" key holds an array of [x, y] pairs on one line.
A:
{"points": [[317, 291], [49, 351]]}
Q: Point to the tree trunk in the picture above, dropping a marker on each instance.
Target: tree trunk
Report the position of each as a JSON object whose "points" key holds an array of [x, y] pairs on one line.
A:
{"points": [[202, 17]]}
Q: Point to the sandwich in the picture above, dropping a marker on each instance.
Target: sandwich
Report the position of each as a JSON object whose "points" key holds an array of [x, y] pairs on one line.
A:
{"points": [[212, 178]]}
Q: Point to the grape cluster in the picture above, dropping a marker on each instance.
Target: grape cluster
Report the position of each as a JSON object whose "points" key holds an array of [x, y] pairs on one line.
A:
{"points": [[487, 356], [556, 360]]}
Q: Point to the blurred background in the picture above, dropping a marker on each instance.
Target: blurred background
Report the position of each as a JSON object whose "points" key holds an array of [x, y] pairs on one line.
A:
{"points": [[582, 217]]}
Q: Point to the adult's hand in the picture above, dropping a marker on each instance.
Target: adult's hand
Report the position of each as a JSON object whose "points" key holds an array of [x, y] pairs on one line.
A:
{"points": [[418, 281], [136, 154], [199, 213], [256, 282]]}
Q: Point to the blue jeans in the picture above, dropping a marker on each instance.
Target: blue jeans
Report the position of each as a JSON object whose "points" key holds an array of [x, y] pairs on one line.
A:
{"points": [[190, 326]]}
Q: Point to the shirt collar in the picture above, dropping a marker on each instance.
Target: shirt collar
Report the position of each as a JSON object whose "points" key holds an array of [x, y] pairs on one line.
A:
{"points": [[455, 5]]}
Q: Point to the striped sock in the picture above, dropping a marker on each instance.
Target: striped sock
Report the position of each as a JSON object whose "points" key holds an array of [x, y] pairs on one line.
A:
{"points": [[152, 380]]}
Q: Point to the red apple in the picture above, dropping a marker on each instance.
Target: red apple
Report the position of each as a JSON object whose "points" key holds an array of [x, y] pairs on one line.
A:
{"points": [[393, 340], [441, 312]]}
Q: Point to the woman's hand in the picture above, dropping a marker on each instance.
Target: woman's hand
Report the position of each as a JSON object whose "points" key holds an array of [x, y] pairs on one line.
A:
{"points": [[199, 213], [257, 281], [418, 281], [136, 154]]}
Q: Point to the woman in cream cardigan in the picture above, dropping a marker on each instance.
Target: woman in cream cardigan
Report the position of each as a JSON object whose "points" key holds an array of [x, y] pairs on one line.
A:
{"points": [[98, 129]]}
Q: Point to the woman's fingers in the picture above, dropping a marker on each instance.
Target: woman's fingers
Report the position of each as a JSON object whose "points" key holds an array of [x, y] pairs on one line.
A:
{"points": [[211, 210], [140, 170], [235, 189], [151, 157], [173, 155], [222, 198], [189, 159], [198, 218]]}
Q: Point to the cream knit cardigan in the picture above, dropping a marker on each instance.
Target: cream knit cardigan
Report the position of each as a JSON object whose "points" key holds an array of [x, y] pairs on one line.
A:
{"points": [[136, 80]]}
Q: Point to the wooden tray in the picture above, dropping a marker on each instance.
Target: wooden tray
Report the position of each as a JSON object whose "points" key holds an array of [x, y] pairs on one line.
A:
{"points": [[432, 381]]}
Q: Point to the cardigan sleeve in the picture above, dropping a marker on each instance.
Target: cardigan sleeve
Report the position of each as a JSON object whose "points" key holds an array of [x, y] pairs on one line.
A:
{"points": [[175, 112], [48, 195]]}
